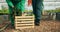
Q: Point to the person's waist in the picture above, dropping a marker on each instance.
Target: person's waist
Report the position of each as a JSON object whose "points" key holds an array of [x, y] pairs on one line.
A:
{"points": [[16, 1]]}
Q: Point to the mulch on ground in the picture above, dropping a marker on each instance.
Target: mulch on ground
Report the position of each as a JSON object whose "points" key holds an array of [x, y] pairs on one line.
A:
{"points": [[45, 26]]}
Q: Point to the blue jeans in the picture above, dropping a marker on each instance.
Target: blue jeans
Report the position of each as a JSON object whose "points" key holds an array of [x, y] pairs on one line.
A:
{"points": [[37, 8]]}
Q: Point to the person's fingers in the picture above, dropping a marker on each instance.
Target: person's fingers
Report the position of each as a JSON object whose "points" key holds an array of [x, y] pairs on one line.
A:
{"points": [[12, 6]]}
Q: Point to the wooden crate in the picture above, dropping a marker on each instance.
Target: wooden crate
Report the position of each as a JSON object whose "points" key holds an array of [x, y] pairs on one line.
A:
{"points": [[22, 22]]}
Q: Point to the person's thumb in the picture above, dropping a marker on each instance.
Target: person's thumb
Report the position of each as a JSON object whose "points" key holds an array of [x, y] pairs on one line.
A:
{"points": [[12, 6]]}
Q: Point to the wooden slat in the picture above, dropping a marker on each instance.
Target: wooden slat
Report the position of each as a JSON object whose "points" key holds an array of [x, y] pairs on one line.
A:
{"points": [[25, 22], [24, 16], [24, 19], [24, 27]]}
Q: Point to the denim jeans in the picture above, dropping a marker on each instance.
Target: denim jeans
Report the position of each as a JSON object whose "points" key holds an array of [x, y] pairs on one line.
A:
{"points": [[37, 8]]}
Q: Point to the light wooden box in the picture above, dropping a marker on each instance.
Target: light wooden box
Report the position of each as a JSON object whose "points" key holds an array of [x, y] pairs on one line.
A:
{"points": [[22, 22]]}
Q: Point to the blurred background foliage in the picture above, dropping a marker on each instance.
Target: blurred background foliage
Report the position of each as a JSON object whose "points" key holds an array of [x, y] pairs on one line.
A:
{"points": [[57, 10], [6, 10]]}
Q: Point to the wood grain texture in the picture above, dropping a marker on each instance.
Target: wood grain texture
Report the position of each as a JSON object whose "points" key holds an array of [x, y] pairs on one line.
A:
{"points": [[22, 22]]}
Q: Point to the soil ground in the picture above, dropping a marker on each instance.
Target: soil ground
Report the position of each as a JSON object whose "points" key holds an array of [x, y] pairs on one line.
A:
{"points": [[45, 26]]}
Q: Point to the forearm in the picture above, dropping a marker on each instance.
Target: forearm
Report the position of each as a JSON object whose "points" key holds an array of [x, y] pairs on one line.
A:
{"points": [[9, 3]]}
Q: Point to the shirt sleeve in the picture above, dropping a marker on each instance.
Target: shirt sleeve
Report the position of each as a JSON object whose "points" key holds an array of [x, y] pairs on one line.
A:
{"points": [[29, 2], [9, 3]]}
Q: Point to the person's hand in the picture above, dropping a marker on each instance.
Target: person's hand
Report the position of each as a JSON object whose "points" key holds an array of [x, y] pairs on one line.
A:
{"points": [[12, 6], [29, 2]]}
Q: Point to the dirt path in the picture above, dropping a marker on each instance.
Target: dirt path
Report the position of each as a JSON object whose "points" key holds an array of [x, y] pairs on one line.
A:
{"points": [[45, 26]]}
